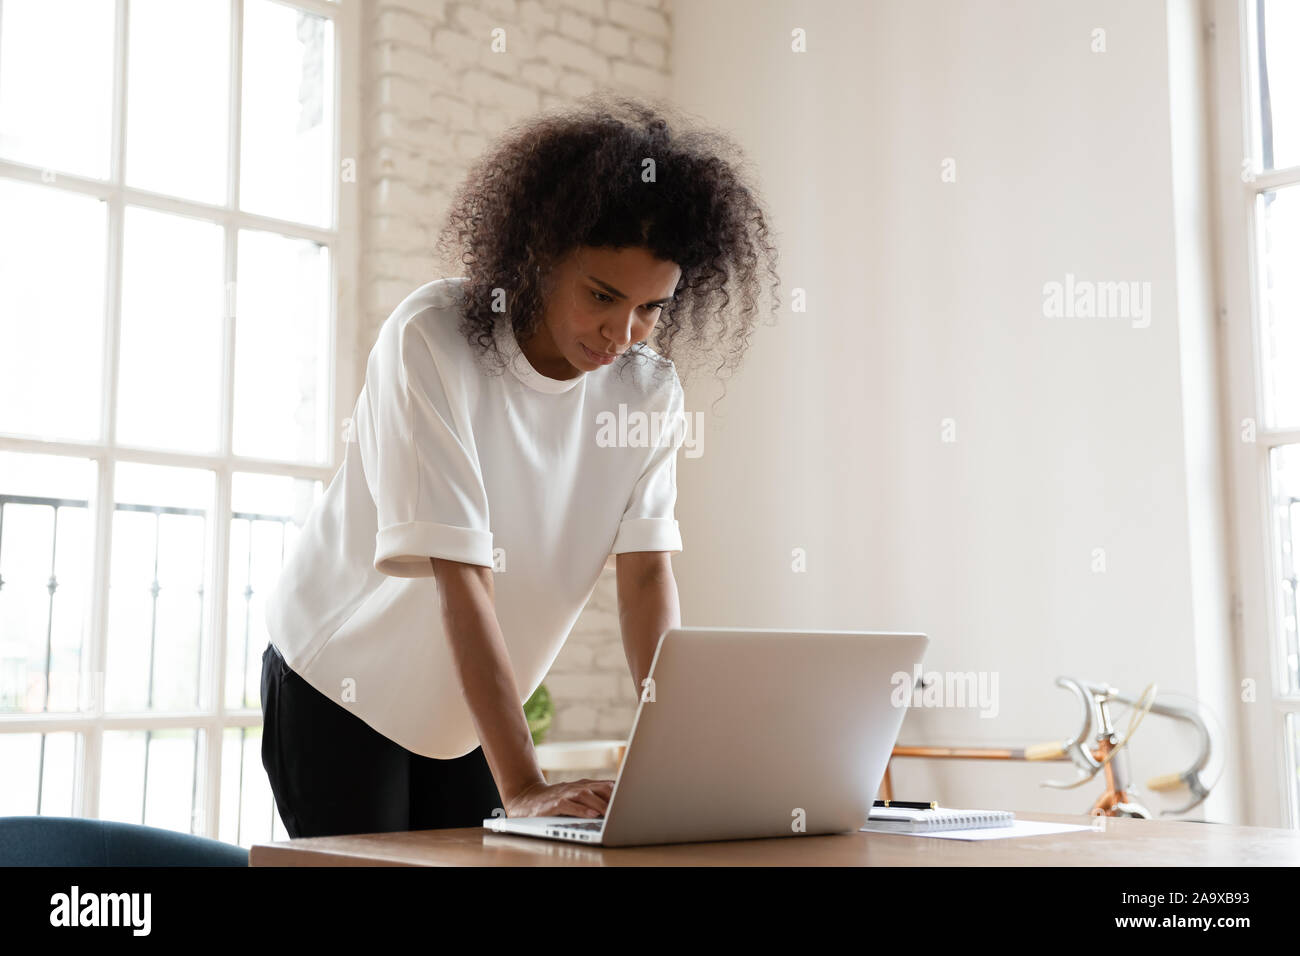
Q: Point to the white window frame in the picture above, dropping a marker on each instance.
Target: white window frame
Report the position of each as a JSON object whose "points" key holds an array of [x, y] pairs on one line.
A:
{"points": [[212, 718], [1268, 763]]}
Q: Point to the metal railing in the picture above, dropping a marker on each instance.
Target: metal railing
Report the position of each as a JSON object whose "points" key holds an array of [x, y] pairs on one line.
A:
{"points": [[155, 588]]}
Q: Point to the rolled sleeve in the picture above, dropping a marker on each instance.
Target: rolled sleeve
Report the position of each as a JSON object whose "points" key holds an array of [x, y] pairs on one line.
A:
{"points": [[648, 523], [420, 459], [403, 550], [647, 534]]}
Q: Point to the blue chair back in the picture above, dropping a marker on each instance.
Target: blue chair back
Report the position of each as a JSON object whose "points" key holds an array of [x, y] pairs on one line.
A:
{"points": [[78, 841]]}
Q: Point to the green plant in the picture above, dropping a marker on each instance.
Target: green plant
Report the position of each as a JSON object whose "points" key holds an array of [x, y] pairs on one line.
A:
{"points": [[540, 711]]}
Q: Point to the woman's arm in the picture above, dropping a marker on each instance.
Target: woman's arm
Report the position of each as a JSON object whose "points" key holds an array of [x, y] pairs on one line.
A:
{"points": [[486, 678], [647, 607]]}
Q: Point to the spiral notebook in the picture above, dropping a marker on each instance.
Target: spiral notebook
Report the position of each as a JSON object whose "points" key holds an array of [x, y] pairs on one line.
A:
{"points": [[903, 820]]}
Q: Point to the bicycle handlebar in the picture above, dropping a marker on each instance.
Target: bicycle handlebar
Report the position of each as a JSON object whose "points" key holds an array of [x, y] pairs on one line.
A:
{"points": [[1092, 698]]}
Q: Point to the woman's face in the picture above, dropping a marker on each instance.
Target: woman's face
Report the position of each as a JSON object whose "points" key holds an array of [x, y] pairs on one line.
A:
{"points": [[599, 302]]}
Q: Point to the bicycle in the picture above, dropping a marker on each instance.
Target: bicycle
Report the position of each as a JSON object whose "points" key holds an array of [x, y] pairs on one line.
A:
{"points": [[1108, 755]]}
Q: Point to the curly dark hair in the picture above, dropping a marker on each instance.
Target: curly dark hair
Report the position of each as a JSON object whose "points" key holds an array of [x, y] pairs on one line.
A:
{"points": [[573, 177]]}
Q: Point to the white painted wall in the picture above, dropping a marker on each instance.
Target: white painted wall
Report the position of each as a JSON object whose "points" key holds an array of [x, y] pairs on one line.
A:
{"points": [[925, 303]]}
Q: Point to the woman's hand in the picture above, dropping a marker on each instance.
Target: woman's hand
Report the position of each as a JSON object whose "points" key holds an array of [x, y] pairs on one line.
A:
{"points": [[572, 798]]}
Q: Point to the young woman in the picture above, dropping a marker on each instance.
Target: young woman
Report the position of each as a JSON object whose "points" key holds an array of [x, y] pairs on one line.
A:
{"points": [[480, 495]]}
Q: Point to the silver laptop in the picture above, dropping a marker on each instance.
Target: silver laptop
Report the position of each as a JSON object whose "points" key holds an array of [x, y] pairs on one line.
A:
{"points": [[752, 733]]}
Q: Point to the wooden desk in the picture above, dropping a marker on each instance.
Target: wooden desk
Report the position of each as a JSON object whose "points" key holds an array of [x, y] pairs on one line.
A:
{"points": [[1123, 842]]}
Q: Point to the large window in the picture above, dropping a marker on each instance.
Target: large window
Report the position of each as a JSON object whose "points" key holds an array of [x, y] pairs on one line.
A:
{"points": [[172, 246], [1257, 97]]}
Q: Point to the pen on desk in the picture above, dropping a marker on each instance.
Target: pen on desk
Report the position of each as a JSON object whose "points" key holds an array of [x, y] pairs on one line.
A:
{"points": [[907, 804]]}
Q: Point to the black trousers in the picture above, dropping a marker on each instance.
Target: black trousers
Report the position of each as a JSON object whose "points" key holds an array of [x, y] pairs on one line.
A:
{"points": [[332, 773]]}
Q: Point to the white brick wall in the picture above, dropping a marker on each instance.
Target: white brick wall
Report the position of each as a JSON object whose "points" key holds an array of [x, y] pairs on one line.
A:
{"points": [[435, 95]]}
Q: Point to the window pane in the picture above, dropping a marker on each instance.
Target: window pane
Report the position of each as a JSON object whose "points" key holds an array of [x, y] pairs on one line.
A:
{"points": [[1286, 496], [248, 813], [50, 362], [173, 307], [1291, 740], [39, 774], [282, 348], [1279, 296], [178, 97], [56, 62], [1278, 34], [148, 777], [268, 511], [46, 551], [157, 581], [287, 142]]}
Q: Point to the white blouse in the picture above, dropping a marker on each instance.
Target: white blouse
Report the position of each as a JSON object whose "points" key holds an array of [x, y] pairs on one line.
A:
{"points": [[540, 479]]}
